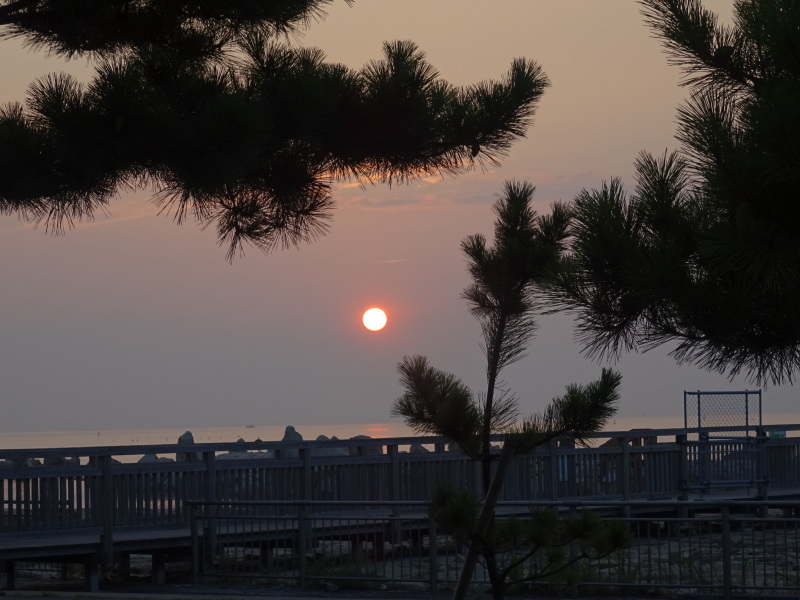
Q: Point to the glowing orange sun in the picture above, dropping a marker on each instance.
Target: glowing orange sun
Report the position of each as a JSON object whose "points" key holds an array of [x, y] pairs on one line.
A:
{"points": [[374, 319]]}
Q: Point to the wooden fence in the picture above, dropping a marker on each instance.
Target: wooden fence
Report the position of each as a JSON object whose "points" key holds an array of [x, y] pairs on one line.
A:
{"points": [[107, 488]]}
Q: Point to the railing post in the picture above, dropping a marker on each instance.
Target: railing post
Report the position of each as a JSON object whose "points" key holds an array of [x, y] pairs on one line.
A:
{"points": [[555, 466], [209, 460], [210, 496], [625, 471], [727, 573], [394, 491], [763, 475], [683, 458], [394, 480], [107, 510], [306, 478], [303, 514], [704, 477]]}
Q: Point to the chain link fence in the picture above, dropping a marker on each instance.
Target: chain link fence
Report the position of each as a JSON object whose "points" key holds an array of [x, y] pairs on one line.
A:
{"points": [[737, 413], [724, 440], [720, 549]]}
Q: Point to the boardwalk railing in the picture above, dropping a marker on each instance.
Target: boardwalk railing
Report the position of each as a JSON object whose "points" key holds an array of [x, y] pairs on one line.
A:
{"points": [[108, 490], [690, 547]]}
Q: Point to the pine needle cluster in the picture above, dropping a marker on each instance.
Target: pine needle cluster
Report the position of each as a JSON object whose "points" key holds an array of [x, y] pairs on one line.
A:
{"points": [[704, 255], [212, 107]]}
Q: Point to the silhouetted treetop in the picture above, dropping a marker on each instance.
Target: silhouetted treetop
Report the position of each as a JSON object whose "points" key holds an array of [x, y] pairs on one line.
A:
{"points": [[210, 106], [705, 253], [107, 27]]}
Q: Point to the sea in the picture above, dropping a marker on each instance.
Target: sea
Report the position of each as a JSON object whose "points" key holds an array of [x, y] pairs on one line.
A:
{"points": [[11, 440], [201, 435]]}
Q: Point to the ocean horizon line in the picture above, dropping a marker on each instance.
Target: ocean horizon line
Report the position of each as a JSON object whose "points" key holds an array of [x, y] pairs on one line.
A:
{"points": [[250, 432]]}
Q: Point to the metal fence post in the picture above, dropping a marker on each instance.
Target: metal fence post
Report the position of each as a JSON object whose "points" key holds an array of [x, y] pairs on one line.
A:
{"points": [[727, 573], [302, 539], [433, 552], [195, 545], [303, 513], [573, 556], [8, 574]]}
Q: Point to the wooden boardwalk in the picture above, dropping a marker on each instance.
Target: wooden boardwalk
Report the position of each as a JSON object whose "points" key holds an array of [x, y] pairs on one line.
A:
{"points": [[102, 504]]}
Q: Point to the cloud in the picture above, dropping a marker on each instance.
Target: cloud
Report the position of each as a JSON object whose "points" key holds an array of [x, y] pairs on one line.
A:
{"points": [[129, 212], [473, 190], [373, 202], [392, 261], [11, 224], [348, 185], [475, 199]]}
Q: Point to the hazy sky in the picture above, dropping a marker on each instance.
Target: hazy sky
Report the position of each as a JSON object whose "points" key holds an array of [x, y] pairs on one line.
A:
{"points": [[133, 321]]}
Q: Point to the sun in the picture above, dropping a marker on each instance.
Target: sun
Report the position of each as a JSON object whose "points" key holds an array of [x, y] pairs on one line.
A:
{"points": [[374, 319]]}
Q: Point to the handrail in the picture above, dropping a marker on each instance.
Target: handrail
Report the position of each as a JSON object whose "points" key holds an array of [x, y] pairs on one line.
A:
{"points": [[106, 493], [566, 503], [142, 449]]}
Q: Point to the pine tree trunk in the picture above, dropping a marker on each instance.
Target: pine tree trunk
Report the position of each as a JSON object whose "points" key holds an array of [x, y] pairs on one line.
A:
{"points": [[484, 520], [495, 577], [493, 354]]}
